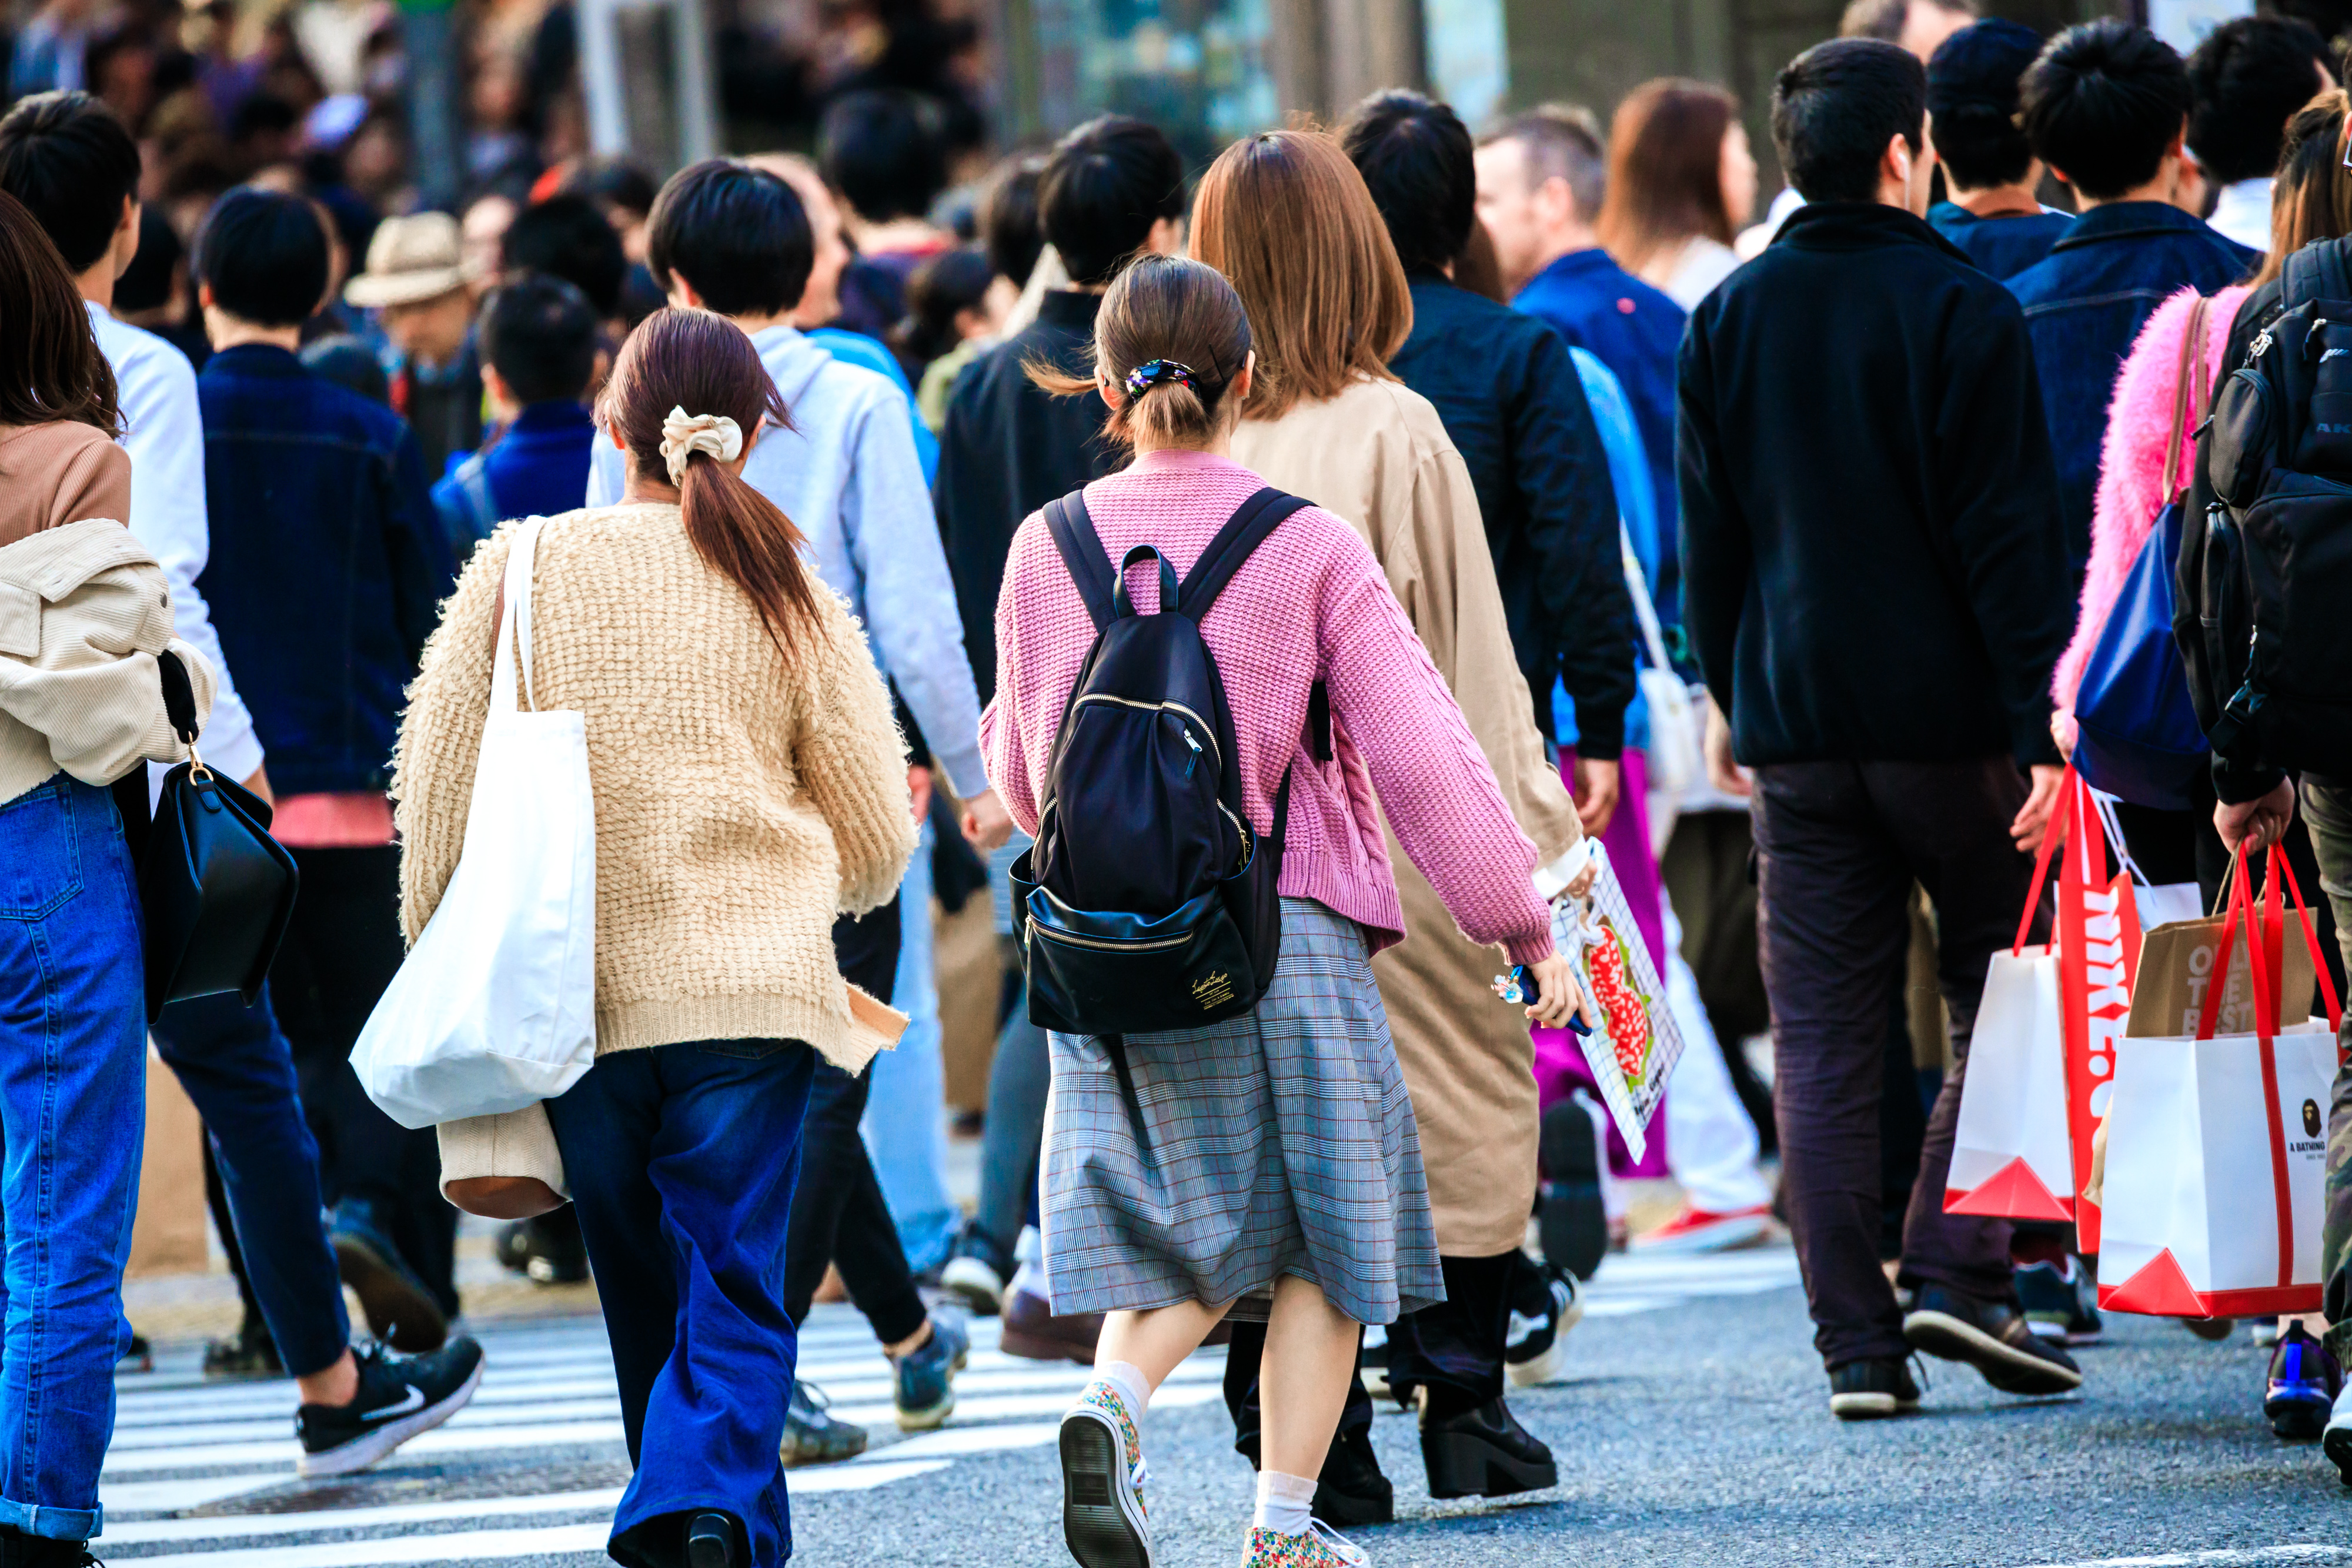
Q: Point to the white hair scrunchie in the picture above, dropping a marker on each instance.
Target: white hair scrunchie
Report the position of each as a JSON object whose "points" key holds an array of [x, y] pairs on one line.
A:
{"points": [[684, 434]]}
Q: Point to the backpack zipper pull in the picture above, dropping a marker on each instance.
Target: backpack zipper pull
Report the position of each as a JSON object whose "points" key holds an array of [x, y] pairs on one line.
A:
{"points": [[2260, 346], [2315, 336], [1196, 752]]}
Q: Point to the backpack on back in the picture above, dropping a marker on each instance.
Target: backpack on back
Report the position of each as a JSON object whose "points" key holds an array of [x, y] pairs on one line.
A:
{"points": [[1148, 901], [2263, 615]]}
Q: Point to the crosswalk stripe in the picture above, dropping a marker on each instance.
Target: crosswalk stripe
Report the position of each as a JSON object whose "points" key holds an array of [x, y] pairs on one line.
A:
{"points": [[463, 1546], [221, 1455], [602, 1501], [1004, 1406]]}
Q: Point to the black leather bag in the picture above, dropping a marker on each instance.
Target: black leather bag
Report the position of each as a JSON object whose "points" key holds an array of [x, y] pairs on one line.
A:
{"points": [[216, 888]]}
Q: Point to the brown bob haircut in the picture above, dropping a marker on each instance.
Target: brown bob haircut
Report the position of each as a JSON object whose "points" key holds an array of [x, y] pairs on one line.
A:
{"points": [[1665, 170], [1288, 218]]}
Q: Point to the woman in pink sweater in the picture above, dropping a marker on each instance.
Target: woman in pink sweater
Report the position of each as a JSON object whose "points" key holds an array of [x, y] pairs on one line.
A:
{"points": [[1277, 1173]]}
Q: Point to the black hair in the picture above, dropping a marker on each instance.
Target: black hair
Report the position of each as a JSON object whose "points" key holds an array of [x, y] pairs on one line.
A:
{"points": [[1972, 92], [1012, 229], [539, 332], [1835, 108], [146, 283], [2245, 82], [350, 363], [876, 148], [1104, 185], [617, 180], [264, 254], [737, 234], [71, 162], [1415, 156], [941, 289], [2103, 103], [568, 236]]}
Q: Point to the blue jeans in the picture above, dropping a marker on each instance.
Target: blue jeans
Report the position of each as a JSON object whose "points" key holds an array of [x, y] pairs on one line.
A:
{"points": [[682, 1160], [906, 1121], [73, 1112], [239, 1074]]}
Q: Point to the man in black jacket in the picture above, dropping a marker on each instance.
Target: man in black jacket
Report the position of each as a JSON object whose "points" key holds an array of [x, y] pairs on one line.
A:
{"points": [[1875, 577], [1510, 398]]}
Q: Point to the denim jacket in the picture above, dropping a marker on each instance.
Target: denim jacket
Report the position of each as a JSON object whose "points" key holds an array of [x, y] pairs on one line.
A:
{"points": [[2084, 304], [328, 565]]}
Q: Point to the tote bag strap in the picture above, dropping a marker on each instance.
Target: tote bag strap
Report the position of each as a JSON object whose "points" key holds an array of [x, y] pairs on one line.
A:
{"points": [[2266, 1050], [514, 626], [1646, 611], [2187, 396]]}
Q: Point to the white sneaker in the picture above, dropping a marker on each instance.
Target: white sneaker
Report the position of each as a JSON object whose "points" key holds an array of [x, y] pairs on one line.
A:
{"points": [[1535, 1349], [2335, 1440]]}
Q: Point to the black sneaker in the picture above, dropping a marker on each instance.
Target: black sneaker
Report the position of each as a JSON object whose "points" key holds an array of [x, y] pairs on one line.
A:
{"points": [[1871, 1390], [399, 1310], [399, 1396], [714, 1540], [546, 1250], [1484, 1452], [1991, 1336], [250, 1353], [2061, 1302]]}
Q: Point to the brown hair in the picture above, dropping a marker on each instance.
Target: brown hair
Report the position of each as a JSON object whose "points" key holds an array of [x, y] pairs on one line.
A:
{"points": [[2314, 189], [1665, 170], [1172, 310], [703, 364], [1288, 218], [51, 367]]}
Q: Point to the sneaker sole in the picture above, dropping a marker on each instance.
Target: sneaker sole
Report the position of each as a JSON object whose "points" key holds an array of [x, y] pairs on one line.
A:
{"points": [[2006, 1368], [2298, 1417], [1865, 1406], [2336, 1444], [1102, 1523], [371, 1445], [1550, 1363], [929, 1417], [974, 1285], [396, 1311], [1725, 1236]]}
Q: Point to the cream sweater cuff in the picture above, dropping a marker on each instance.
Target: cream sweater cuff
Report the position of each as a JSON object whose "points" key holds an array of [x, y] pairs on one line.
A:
{"points": [[518, 1144]]}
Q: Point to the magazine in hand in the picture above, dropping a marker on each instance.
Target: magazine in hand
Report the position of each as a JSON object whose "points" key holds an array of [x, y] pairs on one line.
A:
{"points": [[1634, 1049]]}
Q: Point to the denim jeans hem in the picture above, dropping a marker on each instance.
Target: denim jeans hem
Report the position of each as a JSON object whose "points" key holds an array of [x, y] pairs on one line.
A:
{"points": [[52, 1524]]}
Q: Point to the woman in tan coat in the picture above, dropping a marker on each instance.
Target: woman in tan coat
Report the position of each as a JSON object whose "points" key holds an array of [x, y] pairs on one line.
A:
{"points": [[1288, 218]]}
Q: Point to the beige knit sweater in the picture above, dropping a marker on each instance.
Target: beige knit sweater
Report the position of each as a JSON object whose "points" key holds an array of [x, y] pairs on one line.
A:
{"points": [[740, 802]]}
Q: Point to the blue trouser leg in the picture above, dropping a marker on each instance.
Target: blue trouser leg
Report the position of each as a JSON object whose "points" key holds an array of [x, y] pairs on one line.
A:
{"points": [[906, 1121], [682, 1160], [239, 1074], [72, 1118]]}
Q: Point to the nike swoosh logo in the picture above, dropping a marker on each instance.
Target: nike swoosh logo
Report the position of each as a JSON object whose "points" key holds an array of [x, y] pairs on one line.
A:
{"points": [[415, 1401], [1522, 1326]]}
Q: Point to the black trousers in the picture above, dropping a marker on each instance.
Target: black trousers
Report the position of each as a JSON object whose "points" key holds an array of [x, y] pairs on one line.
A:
{"points": [[1840, 844], [342, 949], [838, 1213]]}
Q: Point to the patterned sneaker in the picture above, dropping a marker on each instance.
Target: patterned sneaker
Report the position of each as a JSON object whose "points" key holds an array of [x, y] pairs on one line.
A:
{"points": [[1103, 1517], [1320, 1547]]}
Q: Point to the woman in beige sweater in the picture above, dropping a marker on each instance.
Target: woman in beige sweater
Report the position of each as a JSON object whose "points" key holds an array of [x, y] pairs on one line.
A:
{"points": [[749, 785], [1288, 219]]}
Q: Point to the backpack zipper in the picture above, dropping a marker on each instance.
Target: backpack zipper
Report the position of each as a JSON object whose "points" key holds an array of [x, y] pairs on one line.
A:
{"points": [[1106, 944], [1162, 707]]}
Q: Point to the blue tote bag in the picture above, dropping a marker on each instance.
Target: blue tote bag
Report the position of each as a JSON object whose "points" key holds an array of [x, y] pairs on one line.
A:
{"points": [[2139, 736]]}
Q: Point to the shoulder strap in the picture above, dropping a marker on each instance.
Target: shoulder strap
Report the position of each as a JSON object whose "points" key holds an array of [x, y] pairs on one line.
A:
{"points": [[2187, 394], [1243, 533], [2314, 272], [1083, 554]]}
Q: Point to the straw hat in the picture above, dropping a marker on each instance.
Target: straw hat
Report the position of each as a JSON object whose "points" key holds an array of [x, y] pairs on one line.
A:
{"points": [[410, 260]]}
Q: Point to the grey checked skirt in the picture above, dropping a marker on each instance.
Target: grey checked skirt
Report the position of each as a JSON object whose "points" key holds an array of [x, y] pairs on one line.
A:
{"points": [[1282, 1143]]}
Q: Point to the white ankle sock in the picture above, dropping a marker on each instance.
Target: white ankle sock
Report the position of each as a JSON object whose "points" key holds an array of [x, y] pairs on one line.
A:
{"points": [[1285, 1504], [1132, 1386]]}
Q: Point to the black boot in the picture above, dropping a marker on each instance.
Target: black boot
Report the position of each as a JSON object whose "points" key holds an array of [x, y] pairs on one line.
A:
{"points": [[19, 1550], [1483, 1451], [714, 1541]]}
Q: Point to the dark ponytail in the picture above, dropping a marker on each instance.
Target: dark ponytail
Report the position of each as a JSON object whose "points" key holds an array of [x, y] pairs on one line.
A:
{"points": [[702, 363]]}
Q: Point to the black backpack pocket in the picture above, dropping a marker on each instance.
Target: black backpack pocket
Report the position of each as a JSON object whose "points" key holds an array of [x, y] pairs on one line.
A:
{"points": [[2297, 554], [2238, 452], [1096, 972]]}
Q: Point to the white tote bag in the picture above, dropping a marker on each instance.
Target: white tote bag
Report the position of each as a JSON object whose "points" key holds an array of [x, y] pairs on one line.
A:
{"points": [[495, 1007], [1674, 755], [2011, 1155]]}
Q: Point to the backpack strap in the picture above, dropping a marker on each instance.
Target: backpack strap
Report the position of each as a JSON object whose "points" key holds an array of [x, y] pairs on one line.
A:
{"points": [[2314, 272], [1083, 554], [1233, 544]]}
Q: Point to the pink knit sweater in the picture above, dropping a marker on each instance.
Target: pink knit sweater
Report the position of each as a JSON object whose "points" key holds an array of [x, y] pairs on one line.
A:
{"points": [[1310, 602], [2131, 471]]}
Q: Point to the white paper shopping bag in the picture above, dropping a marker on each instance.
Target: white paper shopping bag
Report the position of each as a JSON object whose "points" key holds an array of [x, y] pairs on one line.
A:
{"points": [[2011, 1155]]}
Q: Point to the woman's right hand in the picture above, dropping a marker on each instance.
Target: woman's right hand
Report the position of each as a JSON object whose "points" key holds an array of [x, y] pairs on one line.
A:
{"points": [[1557, 993]]}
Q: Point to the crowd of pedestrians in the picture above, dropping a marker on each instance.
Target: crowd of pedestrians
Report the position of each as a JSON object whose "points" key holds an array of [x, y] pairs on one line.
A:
{"points": [[1531, 511]]}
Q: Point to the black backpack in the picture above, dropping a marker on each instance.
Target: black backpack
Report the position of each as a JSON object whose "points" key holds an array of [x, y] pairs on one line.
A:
{"points": [[2264, 615], [1148, 901]]}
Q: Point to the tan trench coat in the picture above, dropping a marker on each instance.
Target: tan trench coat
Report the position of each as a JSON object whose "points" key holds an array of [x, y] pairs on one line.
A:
{"points": [[1377, 455]]}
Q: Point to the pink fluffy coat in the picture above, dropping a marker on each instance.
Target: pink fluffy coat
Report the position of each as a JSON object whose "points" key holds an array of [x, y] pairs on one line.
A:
{"points": [[2131, 471]]}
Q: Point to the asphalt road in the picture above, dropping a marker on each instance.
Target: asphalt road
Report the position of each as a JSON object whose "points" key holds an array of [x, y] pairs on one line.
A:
{"points": [[1694, 1431]]}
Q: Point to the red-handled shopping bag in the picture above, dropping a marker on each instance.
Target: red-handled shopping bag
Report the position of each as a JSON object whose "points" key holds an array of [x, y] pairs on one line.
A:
{"points": [[2217, 1151], [2042, 1053]]}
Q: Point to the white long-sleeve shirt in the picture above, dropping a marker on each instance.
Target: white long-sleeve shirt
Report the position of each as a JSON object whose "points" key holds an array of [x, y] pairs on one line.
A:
{"points": [[156, 389]]}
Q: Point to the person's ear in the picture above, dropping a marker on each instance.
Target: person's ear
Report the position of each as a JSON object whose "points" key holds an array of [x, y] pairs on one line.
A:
{"points": [[1238, 389], [1114, 396], [1895, 162], [203, 297], [613, 434]]}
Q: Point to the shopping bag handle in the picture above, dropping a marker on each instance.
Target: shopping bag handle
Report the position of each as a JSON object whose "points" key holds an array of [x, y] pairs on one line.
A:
{"points": [[2282, 869], [2218, 978], [2062, 819]]}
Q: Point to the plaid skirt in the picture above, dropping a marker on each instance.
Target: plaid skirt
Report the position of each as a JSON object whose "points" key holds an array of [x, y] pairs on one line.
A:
{"points": [[1282, 1143]]}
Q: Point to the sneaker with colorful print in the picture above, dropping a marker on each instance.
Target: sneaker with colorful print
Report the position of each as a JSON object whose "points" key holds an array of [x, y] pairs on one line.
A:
{"points": [[1320, 1547], [1103, 1474]]}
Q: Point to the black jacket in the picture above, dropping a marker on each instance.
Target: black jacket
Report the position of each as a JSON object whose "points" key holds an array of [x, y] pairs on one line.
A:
{"points": [[1873, 556], [1510, 397], [1009, 447]]}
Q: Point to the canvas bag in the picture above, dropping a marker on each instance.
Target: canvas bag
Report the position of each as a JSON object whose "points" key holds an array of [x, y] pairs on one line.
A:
{"points": [[2040, 1059], [2217, 1152], [495, 1007]]}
